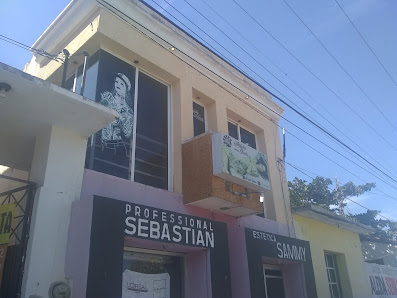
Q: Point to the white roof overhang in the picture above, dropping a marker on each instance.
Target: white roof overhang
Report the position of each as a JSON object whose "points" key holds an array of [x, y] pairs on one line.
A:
{"points": [[32, 105]]}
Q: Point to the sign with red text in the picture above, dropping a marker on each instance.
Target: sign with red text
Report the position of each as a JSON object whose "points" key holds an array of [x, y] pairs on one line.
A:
{"points": [[382, 280]]}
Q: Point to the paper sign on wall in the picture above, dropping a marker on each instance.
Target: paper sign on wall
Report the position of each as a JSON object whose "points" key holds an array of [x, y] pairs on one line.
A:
{"points": [[6, 216], [140, 285]]}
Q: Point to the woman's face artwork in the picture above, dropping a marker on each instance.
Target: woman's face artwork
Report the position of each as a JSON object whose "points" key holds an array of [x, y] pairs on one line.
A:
{"points": [[120, 86]]}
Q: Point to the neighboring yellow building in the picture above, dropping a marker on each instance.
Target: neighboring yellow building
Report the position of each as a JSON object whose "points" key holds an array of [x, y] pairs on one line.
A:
{"points": [[336, 252]]}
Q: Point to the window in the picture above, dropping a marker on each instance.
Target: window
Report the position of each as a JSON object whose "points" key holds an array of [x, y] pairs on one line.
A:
{"points": [[151, 153], [241, 134], [333, 276], [74, 82], [154, 275], [135, 146], [274, 283], [198, 119]]}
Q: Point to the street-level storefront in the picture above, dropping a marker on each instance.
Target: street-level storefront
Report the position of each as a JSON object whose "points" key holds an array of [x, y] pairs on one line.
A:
{"points": [[141, 250], [276, 263], [133, 240], [130, 272]]}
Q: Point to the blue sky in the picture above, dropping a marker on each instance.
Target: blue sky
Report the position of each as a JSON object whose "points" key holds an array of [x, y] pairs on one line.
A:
{"points": [[361, 124]]}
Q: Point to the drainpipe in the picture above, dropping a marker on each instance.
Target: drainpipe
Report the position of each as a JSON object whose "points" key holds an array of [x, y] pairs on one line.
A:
{"points": [[65, 66], [86, 55]]}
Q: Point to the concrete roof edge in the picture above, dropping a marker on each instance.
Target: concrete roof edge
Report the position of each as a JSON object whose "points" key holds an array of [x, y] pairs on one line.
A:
{"points": [[52, 39], [256, 89], [78, 12], [325, 214], [59, 89]]}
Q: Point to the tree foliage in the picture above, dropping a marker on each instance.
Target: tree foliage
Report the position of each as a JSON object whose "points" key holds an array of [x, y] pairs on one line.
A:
{"points": [[321, 193], [318, 192]]}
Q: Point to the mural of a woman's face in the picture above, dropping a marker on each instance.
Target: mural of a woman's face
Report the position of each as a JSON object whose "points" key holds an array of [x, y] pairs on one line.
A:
{"points": [[120, 86]]}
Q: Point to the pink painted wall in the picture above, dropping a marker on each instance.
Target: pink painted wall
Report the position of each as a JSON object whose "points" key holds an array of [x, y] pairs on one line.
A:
{"points": [[197, 261]]}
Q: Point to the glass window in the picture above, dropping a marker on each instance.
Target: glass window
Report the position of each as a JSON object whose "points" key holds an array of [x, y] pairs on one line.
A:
{"points": [[233, 130], [90, 82], [247, 137], [274, 283], [333, 278], [241, 134], [74, 82], [113, 150], [198, 119], [110, 150], [152, 275], [151, 153]]}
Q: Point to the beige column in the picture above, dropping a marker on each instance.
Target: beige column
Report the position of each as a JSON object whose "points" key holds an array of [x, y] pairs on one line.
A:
{"points": [[182, 124], [57, 168], [278, 178]]}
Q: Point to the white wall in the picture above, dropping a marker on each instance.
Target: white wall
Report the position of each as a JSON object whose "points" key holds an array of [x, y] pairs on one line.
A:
{"points": [[57, 168]]}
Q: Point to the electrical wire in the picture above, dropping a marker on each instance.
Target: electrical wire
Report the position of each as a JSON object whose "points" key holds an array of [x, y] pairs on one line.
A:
{"points": [[380, 215], [362, 37], [297, 168], [220, 77], [321, 128], [318, 102], [258, 62], [340, 65], [313, 74], [249, 56], [313, 123], [198, 36], [26, 47], [333, 160]]}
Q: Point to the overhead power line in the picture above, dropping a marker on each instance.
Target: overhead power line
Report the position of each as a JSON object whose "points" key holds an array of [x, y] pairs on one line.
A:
{"points": [[296, 168], [302, 171], [275, 65], [270, 73], [256, 60], [26, 47], [313, 74], [306, 118], [333, 161], [340, 65], [380, 215], [121, 14], [369, 47]]}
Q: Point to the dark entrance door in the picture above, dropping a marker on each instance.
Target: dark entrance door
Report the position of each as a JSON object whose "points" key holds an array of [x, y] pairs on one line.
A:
{"points": [[13, 251], [274, 282]]}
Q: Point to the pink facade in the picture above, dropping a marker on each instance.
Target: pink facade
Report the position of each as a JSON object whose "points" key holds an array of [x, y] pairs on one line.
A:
{"points": [[197, 272]]}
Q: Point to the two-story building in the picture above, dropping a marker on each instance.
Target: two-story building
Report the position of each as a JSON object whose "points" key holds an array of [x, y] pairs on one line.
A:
{"points": [[184, 194]]}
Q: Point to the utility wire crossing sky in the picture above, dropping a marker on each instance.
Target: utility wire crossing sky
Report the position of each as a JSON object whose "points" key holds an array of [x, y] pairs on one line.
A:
{"points": [[330, 64]]}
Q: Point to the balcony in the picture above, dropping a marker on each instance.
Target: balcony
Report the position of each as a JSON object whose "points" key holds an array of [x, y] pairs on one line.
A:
{"points": [[216, 168]]}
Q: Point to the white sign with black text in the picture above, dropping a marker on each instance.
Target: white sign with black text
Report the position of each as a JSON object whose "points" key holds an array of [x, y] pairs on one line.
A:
{"points": [[168, 226]]}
